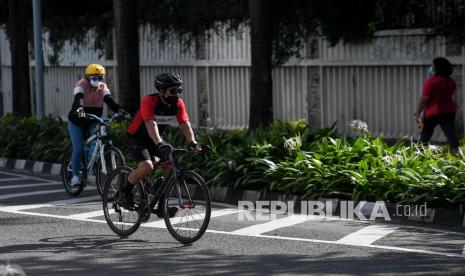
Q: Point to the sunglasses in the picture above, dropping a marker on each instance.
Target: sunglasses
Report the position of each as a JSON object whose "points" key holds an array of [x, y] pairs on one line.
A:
{"points": [[97, 78], [175, 91]]}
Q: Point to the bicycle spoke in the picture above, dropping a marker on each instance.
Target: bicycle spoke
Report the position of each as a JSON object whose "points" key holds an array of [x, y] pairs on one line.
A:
{"points": [[192, 219], [122, 221]]}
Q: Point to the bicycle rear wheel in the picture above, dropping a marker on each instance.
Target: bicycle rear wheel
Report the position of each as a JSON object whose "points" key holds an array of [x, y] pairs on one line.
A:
{"points": [[121, 221], [113, 159], [192, 198], [67, 174]]}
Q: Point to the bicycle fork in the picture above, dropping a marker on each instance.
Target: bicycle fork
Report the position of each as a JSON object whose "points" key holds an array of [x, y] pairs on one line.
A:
{"points": [[179, 184]]}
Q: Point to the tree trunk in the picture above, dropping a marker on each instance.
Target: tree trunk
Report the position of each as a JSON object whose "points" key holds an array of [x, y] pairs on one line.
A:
{"points": [[261, 88], [127, 53], [18, 13]]}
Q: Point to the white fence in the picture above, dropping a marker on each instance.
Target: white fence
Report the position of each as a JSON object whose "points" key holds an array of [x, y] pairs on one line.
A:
{"points": [[378, 82]]}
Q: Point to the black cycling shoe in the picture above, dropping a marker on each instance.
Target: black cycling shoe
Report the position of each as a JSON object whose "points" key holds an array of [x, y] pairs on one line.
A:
{"points": [[127, 201], [172, 211], [144, 212]]}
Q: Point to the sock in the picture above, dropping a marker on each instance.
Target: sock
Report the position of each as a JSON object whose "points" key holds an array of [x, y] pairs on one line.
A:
{"points": [[127, 188]]}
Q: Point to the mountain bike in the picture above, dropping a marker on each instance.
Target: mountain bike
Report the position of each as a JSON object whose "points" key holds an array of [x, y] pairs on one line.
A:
{"points": [[184, 190], [99, 158]]}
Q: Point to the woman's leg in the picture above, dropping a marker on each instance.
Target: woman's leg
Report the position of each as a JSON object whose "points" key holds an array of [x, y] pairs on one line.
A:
{"points": [[428, 129], [447, 125], [77, 139]]}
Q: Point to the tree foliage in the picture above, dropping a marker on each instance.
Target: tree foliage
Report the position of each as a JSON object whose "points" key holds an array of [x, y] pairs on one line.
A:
{"points": [[193, 17], [71, 20], [292, 21]]}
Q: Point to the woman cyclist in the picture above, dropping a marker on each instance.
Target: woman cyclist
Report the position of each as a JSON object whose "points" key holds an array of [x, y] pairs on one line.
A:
{"points": [[90, 93]]}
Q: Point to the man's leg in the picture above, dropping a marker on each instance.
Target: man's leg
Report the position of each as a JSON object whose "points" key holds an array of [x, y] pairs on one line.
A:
{"points": [[144, 167]]}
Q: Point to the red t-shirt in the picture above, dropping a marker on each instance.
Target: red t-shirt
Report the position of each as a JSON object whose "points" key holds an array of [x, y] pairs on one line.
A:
{"points": [[152, 108], [439, 89]]}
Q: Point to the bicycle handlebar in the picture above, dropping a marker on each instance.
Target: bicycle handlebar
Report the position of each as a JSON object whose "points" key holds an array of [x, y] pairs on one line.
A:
{"points": [[105, 120], [205, 151]]}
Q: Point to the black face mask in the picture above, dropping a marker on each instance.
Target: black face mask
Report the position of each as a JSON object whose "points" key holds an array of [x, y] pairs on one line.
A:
{"points": [[172, 100]]}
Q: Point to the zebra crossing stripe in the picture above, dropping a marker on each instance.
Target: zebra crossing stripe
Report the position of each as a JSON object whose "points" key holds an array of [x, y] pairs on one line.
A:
{"points": [[22, 176], [368, 235], [197, 216], [98, 213], [31, 193], [11, 179], [15, 208], [275, 224], [28, 185]]}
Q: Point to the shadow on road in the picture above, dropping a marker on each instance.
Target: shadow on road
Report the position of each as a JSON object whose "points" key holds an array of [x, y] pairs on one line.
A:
{"points": [[110, 255]]}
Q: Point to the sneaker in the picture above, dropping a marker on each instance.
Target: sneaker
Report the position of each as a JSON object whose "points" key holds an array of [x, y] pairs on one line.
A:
{"points": [[457, 152], [172, 211], [127, 201], [75, 181]]}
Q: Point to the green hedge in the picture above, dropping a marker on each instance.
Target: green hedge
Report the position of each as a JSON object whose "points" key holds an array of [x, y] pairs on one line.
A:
{"points": [[285, 157], [29, 138]]}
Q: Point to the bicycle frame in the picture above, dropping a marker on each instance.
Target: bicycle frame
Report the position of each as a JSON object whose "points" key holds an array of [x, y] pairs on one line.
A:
{"points": [[99, 147], [175, 176], [100, 141]]}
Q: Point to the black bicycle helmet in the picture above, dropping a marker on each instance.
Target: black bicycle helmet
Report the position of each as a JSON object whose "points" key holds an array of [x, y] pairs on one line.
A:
{"points": [[166, 80]]}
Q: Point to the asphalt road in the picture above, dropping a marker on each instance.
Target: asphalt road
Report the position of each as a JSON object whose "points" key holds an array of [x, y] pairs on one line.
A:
{"points": [[46, 232]]}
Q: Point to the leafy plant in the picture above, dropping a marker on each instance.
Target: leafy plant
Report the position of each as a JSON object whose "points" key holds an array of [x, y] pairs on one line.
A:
{"points": [[285, 157]]}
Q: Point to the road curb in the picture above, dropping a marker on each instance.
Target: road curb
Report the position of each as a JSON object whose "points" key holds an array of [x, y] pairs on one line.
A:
{"points": [[439, 216], [39, 167]]}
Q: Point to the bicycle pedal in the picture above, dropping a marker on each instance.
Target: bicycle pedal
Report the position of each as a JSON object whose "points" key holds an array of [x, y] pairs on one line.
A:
{"points": [[144, 216]]}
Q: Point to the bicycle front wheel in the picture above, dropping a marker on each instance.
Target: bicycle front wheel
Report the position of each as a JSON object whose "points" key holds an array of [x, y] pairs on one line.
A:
{"points": [[112, 159], [121, 221], [190, 196], [67, 174]]}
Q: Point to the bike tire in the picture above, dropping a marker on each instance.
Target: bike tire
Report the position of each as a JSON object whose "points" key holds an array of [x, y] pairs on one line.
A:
{"points": [[121, 221], [67, 174], [195, 193], [100, 177]]}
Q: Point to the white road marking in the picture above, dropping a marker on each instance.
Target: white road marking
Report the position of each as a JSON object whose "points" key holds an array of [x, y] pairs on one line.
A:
{"points": [[199, 216], [400, 249], [76, 199], [275, 224], [98, 213], [31, 193], [381, 229], [14, 208], [24, 176], [28, 185], [368, 235], [11, 179], [222, 204]]}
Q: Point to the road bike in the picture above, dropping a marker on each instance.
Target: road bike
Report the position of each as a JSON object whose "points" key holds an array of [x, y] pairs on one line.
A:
{"points": [[184, 191], [99, 158]]}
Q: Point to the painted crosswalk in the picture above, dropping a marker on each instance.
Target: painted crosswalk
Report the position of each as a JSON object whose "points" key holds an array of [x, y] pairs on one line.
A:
{"points": [[225, 218], [274, 224], [368, 235], [33, 185]]}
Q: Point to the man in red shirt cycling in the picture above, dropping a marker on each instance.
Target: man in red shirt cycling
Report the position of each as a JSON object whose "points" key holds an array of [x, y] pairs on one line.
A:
{"points": [[143, 137]]}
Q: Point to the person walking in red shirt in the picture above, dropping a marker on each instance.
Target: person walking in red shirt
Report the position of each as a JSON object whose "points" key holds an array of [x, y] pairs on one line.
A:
{"points": [[436, 106]]}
